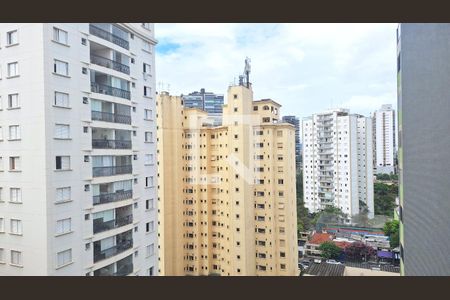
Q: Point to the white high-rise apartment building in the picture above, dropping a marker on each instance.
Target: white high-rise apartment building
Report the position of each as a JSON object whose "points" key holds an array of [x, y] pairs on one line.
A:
{"points": [[77, 149], [337, 162], [384, 139]]}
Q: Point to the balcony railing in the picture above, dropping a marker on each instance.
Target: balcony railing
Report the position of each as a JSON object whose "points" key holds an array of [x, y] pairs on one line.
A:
{"points": [[107, 253], [124, 270], [103, 34], [110, 171], [112, 197], [111, 64], [110, 117], [110, 144], [109, 90], [100, 226]]}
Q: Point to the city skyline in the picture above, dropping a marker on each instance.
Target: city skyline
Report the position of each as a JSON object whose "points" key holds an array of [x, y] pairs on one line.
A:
{"points": [[356, 62]]}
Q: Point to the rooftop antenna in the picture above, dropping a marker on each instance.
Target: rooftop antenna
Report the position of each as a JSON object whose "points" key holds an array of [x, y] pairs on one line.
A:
{"points": [[247, 70]]}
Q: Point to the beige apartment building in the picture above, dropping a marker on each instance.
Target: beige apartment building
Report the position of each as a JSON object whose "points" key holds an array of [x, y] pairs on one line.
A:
{"points": [[226, 194]]}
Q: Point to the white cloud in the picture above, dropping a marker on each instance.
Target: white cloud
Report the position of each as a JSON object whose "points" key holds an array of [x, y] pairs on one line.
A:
{"points": [[305, 67]]}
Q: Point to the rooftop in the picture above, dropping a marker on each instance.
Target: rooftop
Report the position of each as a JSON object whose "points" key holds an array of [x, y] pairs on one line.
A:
{"points": [[325, 269], [319, 238]]}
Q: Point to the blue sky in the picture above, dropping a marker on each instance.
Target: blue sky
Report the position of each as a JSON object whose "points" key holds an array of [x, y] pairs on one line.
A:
{"points": [[307, 68]]}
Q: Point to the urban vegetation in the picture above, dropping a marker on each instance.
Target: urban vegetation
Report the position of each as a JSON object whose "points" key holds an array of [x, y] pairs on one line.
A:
{"points": [[359, 252], [392, 229], [384, 198], [329, 250]]}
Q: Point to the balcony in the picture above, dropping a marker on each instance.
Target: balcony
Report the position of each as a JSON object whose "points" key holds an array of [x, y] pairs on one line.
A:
{"points": [[107, 35], [110, 64], [121, 243], [122, 267], [110, 117], [101, 226], [110, 144], [111, 170], [109, 90], [112, 197], [110, 85]]}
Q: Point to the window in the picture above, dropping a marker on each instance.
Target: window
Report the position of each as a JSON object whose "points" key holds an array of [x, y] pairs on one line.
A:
{"points": [[149, 204], [14, 163], [62, 131], [16, 226], [16, 258], [63, 194], [61, 67], [148, 159], [64, 226], [150, 250], [147, 26], [148, 114], [2, 255], [1, 133], [149, 181], [62, 162], [61, 99], [14, 132], [13, 69], [150, 271], [149, 137], [13, 101], [64, 258], [60, 36], [15, 195], [146, 46], [147, 91], [2, 225], [12, 38], [147, 69], [149, 227]]}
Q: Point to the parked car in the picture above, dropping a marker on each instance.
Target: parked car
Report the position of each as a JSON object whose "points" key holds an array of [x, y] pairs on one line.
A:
{"points": [[332, 261]]}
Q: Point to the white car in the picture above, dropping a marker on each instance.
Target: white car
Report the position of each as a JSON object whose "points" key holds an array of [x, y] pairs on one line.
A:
{"points": [[333, 262]]}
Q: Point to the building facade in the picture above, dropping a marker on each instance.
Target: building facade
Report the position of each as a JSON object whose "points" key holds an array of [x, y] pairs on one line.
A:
{"points": [[296, 122], [384, 144], [423, 65], [77, 149], [207, 101], [337, 162], [227, 194]]}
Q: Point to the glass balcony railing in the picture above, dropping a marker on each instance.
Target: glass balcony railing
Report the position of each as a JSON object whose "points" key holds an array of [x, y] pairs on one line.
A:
{"points": [[109, 90], [112, 197], [100, 226], [110, 117], [110, 144], [107, 253], [103, 34], [111, 170], [110, 64]]}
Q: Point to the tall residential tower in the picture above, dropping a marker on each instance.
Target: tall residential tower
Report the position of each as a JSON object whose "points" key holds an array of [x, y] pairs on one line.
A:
{"points": [[296, 122], [77, 149], [207, 101], [337, 162], [227, 193], [384, 135]]}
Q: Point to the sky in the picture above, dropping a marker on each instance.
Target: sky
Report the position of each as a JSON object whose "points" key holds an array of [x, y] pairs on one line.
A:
{"points": [[307, 68]]}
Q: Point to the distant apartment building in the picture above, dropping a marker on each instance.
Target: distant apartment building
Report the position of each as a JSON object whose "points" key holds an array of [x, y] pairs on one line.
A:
{"points": [[423, 65], [296, 122], [207, 101], [384, 144], [337, 162], [227, 194], [77, 149]]}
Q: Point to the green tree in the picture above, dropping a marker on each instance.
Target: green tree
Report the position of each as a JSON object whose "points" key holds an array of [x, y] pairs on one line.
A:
{"points": [[392, 229], [384, 198], [329, 250]]}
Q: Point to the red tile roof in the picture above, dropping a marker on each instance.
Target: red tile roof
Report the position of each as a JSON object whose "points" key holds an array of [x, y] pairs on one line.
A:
{"points": [[342, 244], [319, 238]]}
